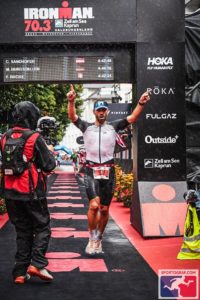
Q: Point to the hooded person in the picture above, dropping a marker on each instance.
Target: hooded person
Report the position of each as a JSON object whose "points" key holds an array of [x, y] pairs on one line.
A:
{"points": [[26, 161], [26, 114]]}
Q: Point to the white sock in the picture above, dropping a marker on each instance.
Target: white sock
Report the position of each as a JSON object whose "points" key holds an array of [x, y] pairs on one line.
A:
{"points": [[92, 234], [99, 235]]}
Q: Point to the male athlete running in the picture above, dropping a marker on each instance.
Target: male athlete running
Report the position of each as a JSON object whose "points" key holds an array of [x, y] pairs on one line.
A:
{"points": [[99, 139]]}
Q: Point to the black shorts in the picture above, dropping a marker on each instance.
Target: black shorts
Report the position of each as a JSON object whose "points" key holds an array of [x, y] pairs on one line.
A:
{"points": [[103, 188]]}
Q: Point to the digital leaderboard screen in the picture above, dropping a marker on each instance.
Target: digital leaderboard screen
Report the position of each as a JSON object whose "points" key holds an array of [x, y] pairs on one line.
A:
{"points": [[58, 68]]}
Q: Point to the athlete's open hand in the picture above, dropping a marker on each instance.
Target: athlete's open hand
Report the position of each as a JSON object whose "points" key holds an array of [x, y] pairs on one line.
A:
{"points": [[145, 97], [71, 95]]}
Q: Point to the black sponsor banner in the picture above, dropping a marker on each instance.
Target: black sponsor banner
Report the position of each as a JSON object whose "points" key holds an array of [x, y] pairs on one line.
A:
{"points": [[119, 111], [159, 20], [159, 136], [160, 143], [70, 21]]}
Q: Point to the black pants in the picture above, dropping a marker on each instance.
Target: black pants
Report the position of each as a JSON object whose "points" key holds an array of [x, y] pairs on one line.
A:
{"points": [[100, 187], [32, 224]]}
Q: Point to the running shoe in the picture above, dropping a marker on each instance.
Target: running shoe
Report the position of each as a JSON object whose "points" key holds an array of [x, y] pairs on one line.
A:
{"points": [[90, 248], [22, 279], [98, 247], [41, 273]]}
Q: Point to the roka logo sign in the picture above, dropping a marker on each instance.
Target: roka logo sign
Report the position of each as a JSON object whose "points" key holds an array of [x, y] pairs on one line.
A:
{"points": [[160, 63], [157, 90]]}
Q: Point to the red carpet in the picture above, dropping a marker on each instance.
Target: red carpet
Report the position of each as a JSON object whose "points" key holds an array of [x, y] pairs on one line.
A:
{"points": [[120, 273], [116, 271], [159, 253]]}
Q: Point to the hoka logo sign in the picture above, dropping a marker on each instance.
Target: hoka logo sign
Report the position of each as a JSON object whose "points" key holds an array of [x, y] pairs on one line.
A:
{"points": [[63, 12], [163, 61], [160, 63]]}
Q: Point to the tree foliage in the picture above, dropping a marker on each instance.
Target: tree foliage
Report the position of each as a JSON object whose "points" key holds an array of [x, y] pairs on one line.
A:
{"points": [[50, 98]]}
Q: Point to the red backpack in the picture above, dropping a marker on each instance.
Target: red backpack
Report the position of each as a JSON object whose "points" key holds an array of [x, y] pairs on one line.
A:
{"points": [[20, 175]]}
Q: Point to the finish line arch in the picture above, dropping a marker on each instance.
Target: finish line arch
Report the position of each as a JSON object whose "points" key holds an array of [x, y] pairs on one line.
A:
{"points": [[136, 41]]}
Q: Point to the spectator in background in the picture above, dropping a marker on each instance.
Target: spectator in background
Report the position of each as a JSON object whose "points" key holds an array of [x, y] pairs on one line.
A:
{"points": [[74, 158]]}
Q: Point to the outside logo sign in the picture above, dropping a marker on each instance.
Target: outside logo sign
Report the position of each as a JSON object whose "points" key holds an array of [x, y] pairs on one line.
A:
{"points": [[161, 140]]}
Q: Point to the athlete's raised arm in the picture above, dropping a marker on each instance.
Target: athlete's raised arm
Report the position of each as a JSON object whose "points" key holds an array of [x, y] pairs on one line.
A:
{"points": [[132, 118], [71, 96]]}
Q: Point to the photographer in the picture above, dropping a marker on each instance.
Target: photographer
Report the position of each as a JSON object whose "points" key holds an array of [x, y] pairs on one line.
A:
{"points": [[191, 244], [26, 161]]}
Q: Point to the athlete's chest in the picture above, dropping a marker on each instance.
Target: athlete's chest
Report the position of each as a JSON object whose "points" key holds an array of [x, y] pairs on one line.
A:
{"points": [[104, 133]]}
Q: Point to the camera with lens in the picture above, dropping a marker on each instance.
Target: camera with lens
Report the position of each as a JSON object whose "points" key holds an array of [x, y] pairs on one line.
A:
{"points": [[46, 125], [191, 196]]}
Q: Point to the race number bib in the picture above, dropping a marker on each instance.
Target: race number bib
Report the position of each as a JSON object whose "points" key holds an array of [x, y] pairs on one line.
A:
{"points": [[101, 172]]}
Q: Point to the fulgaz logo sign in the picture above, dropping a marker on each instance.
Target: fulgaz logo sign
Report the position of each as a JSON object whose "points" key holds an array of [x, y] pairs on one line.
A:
{"points": [[164, 116]]}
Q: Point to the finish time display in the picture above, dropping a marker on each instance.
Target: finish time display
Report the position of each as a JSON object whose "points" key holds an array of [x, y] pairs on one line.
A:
{"points": [[58, 68]]}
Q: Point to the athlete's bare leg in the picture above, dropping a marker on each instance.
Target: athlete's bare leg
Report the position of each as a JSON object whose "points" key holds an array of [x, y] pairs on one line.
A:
{"points": [[104, 216], [93, 220], [95, 244], [93, 213], [98, 216]]}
